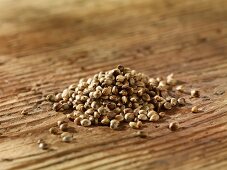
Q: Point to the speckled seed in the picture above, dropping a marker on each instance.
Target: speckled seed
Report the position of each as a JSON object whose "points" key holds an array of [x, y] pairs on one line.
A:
{"points": [[53, 130], [67, 139], [173, 101], [154, 118], [106, 91], [129, 117], [59, 122], [174, 126], [146, 97], [133, 125], [120, 78], [43, 146], [65, 106], [65, 94], [51, 98], [124, 99], [181, 101], [142, 112], [195, 109], [195, 93], [63, 127], [85, 122], [114, 124], [142, 117], [167, 105]]}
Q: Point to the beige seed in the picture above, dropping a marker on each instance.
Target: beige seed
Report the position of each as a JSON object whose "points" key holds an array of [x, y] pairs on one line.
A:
{"points": [[180, 88], [106, 91], [63, 127], [77, 120], [129, 117], [66, 134], [65, 106], [181, 101], [85, 122], [195, 93], [97, 94], [173, 101], [154, 118], [24, 112], [195, 109], [142, 117], [142, 112], [124, 99], [114, 124], [162, 114], [120, 78], [133, 125], [120, 118], [174, 126], [150, 113], [43, 146], [97, 115], [65, 94], [139, 124], [53, 130], [59, 122], [105, 121], [146, 97], [167, 106], [51, 98], [67, 139]]}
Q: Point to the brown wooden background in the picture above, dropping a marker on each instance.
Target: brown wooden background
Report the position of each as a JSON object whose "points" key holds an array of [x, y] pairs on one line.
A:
{"points": [[47, 44]]}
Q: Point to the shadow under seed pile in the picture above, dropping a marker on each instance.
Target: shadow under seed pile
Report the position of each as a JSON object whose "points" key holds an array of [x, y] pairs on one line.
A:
{"points": [[116, 96]]}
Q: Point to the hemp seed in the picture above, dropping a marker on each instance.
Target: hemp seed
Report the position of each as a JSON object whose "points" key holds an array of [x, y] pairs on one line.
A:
{"points": [[195, 109], [174, 126], [195, 93]]}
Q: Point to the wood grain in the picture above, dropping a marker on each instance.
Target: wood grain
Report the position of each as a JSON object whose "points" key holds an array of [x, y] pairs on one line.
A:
{"points": [[46, 45]]}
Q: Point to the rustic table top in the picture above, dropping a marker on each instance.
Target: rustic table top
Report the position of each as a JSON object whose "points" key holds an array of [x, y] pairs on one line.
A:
{"points": [[46, 45]]}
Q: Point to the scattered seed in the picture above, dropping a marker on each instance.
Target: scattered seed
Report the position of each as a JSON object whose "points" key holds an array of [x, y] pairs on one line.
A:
{"points": [[181, 101], [154, 118], [43, 146], [195, 93], [180, 88], [67, 139], [195, 109], [53, 130], [63, 127], [174, 126], [162, 114], [140, 134], [167, 106], [24, 112]]}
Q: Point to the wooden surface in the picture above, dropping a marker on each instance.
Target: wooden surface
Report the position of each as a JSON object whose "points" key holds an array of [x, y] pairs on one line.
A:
{"points": [[46, 45]]}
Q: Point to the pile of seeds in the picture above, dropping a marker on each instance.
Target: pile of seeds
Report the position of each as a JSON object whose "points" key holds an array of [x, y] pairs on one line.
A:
{"points": [[116, 96]]}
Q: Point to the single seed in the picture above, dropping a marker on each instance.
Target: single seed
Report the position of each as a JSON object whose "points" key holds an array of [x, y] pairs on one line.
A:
{"points": [[139, 124], [105, 121], [129, 117], [173, 101], [67, 139], [63, 127], [120, 78], [53, 130], [114, 124], [174, 126], [85, 122], [124, 99], [65, 106], [133, 125], [181, 101], [167, 106], [65, 94], [142, 117], [154, 118], [162, 114], [59, 122], [43, 146], [57, 107], [119, 118], [195, 109], [51, 98], [77, 120], [106, 91], [195, 93], [149, 114], [66, 134]]}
